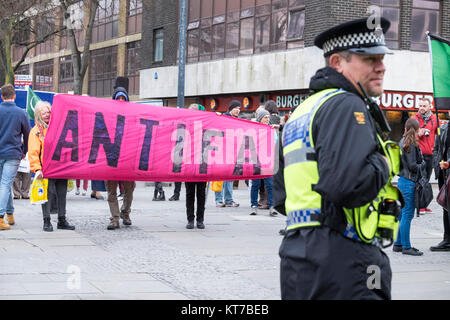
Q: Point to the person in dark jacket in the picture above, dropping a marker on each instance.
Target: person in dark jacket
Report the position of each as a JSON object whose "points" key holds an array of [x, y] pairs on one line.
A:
{"points": [[14, 126], [329, 261], [412, 163], [121, 94], [441, 158]]}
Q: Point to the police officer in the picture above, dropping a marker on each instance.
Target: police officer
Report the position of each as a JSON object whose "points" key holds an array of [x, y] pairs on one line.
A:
{"points": [[332, 166]]}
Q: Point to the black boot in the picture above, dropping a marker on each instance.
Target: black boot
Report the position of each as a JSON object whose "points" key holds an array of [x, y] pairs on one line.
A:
{"points": [[161, 196], [63, 224], [155, 195], [175, 197], [47, 225]]}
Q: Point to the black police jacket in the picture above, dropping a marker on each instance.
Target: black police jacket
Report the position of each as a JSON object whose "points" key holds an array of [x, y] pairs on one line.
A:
{"points": [[441, 150], [351, 170]]}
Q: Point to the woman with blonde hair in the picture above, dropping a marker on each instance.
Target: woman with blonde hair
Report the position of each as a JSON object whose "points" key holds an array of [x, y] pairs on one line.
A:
{"points": [[58, 187], [412, 163]]}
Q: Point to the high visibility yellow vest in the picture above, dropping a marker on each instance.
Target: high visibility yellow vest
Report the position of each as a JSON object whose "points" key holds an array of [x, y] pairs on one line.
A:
{"points": [[378, 218]]}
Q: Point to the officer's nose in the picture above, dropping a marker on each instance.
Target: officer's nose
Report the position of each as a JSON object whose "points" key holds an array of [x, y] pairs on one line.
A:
{"points": [[379, 65]]}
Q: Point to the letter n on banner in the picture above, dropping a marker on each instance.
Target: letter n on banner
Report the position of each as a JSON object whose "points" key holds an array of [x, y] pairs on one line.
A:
{"points": [[71, 124], [101, 136]]}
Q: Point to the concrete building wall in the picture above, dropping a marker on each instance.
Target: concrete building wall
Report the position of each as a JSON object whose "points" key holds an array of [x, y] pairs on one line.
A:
{"points": [[285, 70]]}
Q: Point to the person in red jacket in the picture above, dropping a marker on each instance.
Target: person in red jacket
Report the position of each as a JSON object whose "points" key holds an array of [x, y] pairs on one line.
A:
{"points": [[428, 124]]}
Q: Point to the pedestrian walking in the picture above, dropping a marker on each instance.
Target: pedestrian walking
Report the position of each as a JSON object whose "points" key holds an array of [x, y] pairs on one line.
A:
{"points": [[56, 187], [14, 128], [333, 172], [412, 164]]}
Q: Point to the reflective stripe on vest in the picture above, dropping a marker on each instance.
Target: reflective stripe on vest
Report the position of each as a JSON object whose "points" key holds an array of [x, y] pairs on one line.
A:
{"points": [[300, 171]]}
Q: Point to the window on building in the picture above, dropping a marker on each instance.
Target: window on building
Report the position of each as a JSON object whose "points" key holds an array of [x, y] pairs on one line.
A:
{"points": [[158, 47], [218, 28], [76, 11], [390, 9], [65, 74], [106, 23], [43, 75], [45, 25], [23, 69], [103, 71], [134, 22], [425, 17], [133, 64]]}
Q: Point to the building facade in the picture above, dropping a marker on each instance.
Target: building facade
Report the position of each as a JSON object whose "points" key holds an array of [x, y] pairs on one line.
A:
{"points": [[115, 49], [255, 50]]}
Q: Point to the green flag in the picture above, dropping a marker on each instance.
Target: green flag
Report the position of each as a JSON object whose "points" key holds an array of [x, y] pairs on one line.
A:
{"points": [[440, 61], [32, 99]]}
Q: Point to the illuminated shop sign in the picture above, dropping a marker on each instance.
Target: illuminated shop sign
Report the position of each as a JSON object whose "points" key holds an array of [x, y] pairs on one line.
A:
{"points": [[396, 100]]}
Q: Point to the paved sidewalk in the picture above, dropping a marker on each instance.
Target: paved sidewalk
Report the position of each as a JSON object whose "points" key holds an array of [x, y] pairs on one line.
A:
{"points": [[235, 257]]}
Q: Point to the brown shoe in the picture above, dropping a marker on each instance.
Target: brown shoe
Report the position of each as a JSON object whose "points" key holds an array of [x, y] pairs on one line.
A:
{"points": [[10, 219], [113, 225], [126, 219], [3, 225]]}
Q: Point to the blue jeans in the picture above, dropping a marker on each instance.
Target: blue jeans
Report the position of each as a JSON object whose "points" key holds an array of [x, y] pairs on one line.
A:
{"points": [[227, 189], [406, 186], [8, 171], [256, 184]]}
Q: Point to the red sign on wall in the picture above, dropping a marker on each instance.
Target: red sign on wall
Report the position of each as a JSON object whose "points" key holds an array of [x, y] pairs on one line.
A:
{"points": [[402, 101]]}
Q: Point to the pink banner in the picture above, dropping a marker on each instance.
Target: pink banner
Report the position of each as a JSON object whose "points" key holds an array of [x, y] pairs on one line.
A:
{"points": [[100, 139]]}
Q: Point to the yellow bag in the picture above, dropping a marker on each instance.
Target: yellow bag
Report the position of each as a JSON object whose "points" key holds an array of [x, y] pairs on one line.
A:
{"points": [[70, 185], [216, 186], [38, 191]]}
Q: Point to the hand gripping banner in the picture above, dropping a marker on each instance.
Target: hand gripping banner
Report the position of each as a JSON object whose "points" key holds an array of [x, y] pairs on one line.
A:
{"points": [[100, 139]]}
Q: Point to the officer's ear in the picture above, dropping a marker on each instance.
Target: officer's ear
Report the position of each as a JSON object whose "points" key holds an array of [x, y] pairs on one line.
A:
{"points": [[336, 61]]}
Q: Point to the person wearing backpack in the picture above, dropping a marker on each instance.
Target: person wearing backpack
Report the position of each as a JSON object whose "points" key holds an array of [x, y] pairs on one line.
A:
{"points": [[412, 164]]}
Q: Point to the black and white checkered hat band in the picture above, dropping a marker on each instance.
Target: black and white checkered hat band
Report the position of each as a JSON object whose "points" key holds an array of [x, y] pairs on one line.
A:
{"points": [[355, 40]]}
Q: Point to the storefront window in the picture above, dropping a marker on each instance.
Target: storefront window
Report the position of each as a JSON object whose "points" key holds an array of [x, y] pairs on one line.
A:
{"points": [[425, 17]]}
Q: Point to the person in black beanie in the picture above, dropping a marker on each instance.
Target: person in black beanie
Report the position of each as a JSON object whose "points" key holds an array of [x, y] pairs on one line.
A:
{"points": [[121, 94]]}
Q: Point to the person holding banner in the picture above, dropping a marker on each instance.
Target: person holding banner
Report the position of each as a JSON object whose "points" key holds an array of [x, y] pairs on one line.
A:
{"points": [[191, 189], [227, 190], [58, 187], [121, 94], [263, 116], [14, 126]]}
